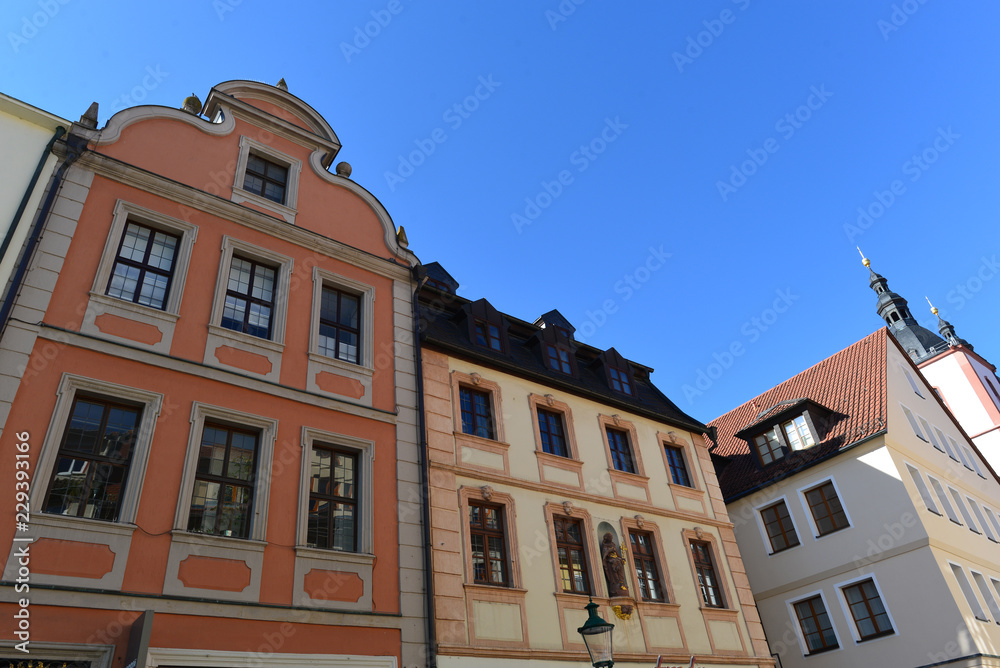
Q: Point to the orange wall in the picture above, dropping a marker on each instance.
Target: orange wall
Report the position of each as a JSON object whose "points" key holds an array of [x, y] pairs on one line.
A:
{"points": [[77, 625]]}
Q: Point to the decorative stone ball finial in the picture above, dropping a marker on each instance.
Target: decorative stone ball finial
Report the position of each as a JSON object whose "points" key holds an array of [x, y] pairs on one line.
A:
{"points": [[192, 104], [344, 169], [865, 261]]}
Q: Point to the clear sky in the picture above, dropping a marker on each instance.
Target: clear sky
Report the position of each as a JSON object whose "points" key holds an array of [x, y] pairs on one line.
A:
{"points": [[681, 180]]}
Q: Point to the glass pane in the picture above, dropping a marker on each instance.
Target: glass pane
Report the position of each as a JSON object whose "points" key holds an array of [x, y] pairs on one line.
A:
{"points": [[204, 506], [327, 341], [123, 282], [105, 491], [234, 519], [328, 305], [343, 523], [348, 347], [161, 255], [154, 290], [478, 557], [344, 477], [263, 283], [119, 434], [318, 527], [233, 313], [241, 456], [68, 486], [84, 427], [491, 518], [259, 321], [239, 275], [349, 309], [319, 474], [274, 192], [496, 559], [212, 454], [134, 243]]}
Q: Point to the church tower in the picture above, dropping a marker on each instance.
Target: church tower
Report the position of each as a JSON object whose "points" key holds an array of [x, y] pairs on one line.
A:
{"points": [[964, 380]]}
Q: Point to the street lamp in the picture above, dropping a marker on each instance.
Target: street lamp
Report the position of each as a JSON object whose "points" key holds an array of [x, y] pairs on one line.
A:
{"points": [[597, 638]]}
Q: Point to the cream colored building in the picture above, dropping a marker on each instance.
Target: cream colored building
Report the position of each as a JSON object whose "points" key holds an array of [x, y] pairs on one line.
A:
{"points": [[539, 447], [867, 519], [25, 171]]}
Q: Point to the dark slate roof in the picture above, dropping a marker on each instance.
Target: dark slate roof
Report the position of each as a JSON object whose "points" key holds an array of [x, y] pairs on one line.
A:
{"points": [[436, 272], [850, 384], [443, 328]]}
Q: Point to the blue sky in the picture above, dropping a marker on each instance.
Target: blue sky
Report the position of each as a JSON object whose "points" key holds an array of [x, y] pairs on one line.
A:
{"points": [[681, 180]]}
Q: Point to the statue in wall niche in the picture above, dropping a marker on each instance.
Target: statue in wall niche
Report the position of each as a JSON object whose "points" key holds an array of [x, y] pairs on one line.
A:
{"points": [[614, 567]]}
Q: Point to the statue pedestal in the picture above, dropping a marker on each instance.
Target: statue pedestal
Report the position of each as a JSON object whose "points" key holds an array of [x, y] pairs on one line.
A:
{"points": [[623, 607]]}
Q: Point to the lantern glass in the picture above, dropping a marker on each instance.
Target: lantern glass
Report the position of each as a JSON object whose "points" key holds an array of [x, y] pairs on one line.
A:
{"points": [[597, 637]]}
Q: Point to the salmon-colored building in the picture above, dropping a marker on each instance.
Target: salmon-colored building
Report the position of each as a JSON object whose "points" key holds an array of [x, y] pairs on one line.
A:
{"points": [[210, 392]]}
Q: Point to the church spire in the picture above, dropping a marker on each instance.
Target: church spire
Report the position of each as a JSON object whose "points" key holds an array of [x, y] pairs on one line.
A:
{"points": [[947, 329], [918, 342]]}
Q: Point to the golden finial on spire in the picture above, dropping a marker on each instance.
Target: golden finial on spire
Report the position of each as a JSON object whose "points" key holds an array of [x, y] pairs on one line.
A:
{"points": [[865, 261], [933, 308]]}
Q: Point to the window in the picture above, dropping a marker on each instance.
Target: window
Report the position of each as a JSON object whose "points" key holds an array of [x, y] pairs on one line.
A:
{"points": [[572, 556], [646, 571], [929, 432], [970, 594], [487, 544], [558, 358], [93, 460], [798, 434], [925, 494], [779, 527], [143, 266], [965, 511], [340, 325], [488, 335], [946, 444], [943, 498], [993, 521], [621, 452], [678, 469], [913, 383], [249, 300], [913, 423], [817, 629], [265, 178], [711, 592], [993, 389], [477, 413], [222, 499], [619, 380], [984, 589], [982, 518], [769, 447], [333, 499], [870, 616], [827, 511], [550, 429]]}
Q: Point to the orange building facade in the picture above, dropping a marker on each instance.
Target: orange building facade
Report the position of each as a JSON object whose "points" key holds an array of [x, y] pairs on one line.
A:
{"points": [[209, 387]]}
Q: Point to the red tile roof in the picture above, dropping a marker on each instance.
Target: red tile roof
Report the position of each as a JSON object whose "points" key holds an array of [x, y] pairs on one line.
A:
{"points": [[851, 383]]}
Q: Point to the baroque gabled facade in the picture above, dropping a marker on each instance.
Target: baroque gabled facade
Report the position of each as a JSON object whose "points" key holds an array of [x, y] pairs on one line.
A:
{"points": [[216, 400], [558, 474], [868, 520]]}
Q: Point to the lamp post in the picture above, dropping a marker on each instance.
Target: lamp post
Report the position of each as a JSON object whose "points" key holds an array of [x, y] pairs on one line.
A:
{"points": [[597, 638]]}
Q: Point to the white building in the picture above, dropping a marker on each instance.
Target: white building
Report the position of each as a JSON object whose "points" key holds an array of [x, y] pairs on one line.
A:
{"points": [[867, 520]]}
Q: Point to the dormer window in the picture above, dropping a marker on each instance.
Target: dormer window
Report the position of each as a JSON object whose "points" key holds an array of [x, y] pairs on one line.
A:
{"points": [[558, 359], [619, 380], [798, 434], [438, 284], [488, 335], [769, 447]]}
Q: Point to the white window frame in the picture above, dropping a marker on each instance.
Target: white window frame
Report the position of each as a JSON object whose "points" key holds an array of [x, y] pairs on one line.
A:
{"points": [[267, 429], [969, 592], [847, 608], [978, 512], [922, 489], [69, 387], [991, 516], [285, 210], [909, 377], [323, 278], [758, 509], [971, 523], [808, 511], [943, 498], [929, 429], [913, 422], [282, 287], [790, 604], [944, 444], [366, 498], [188, 233]]}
